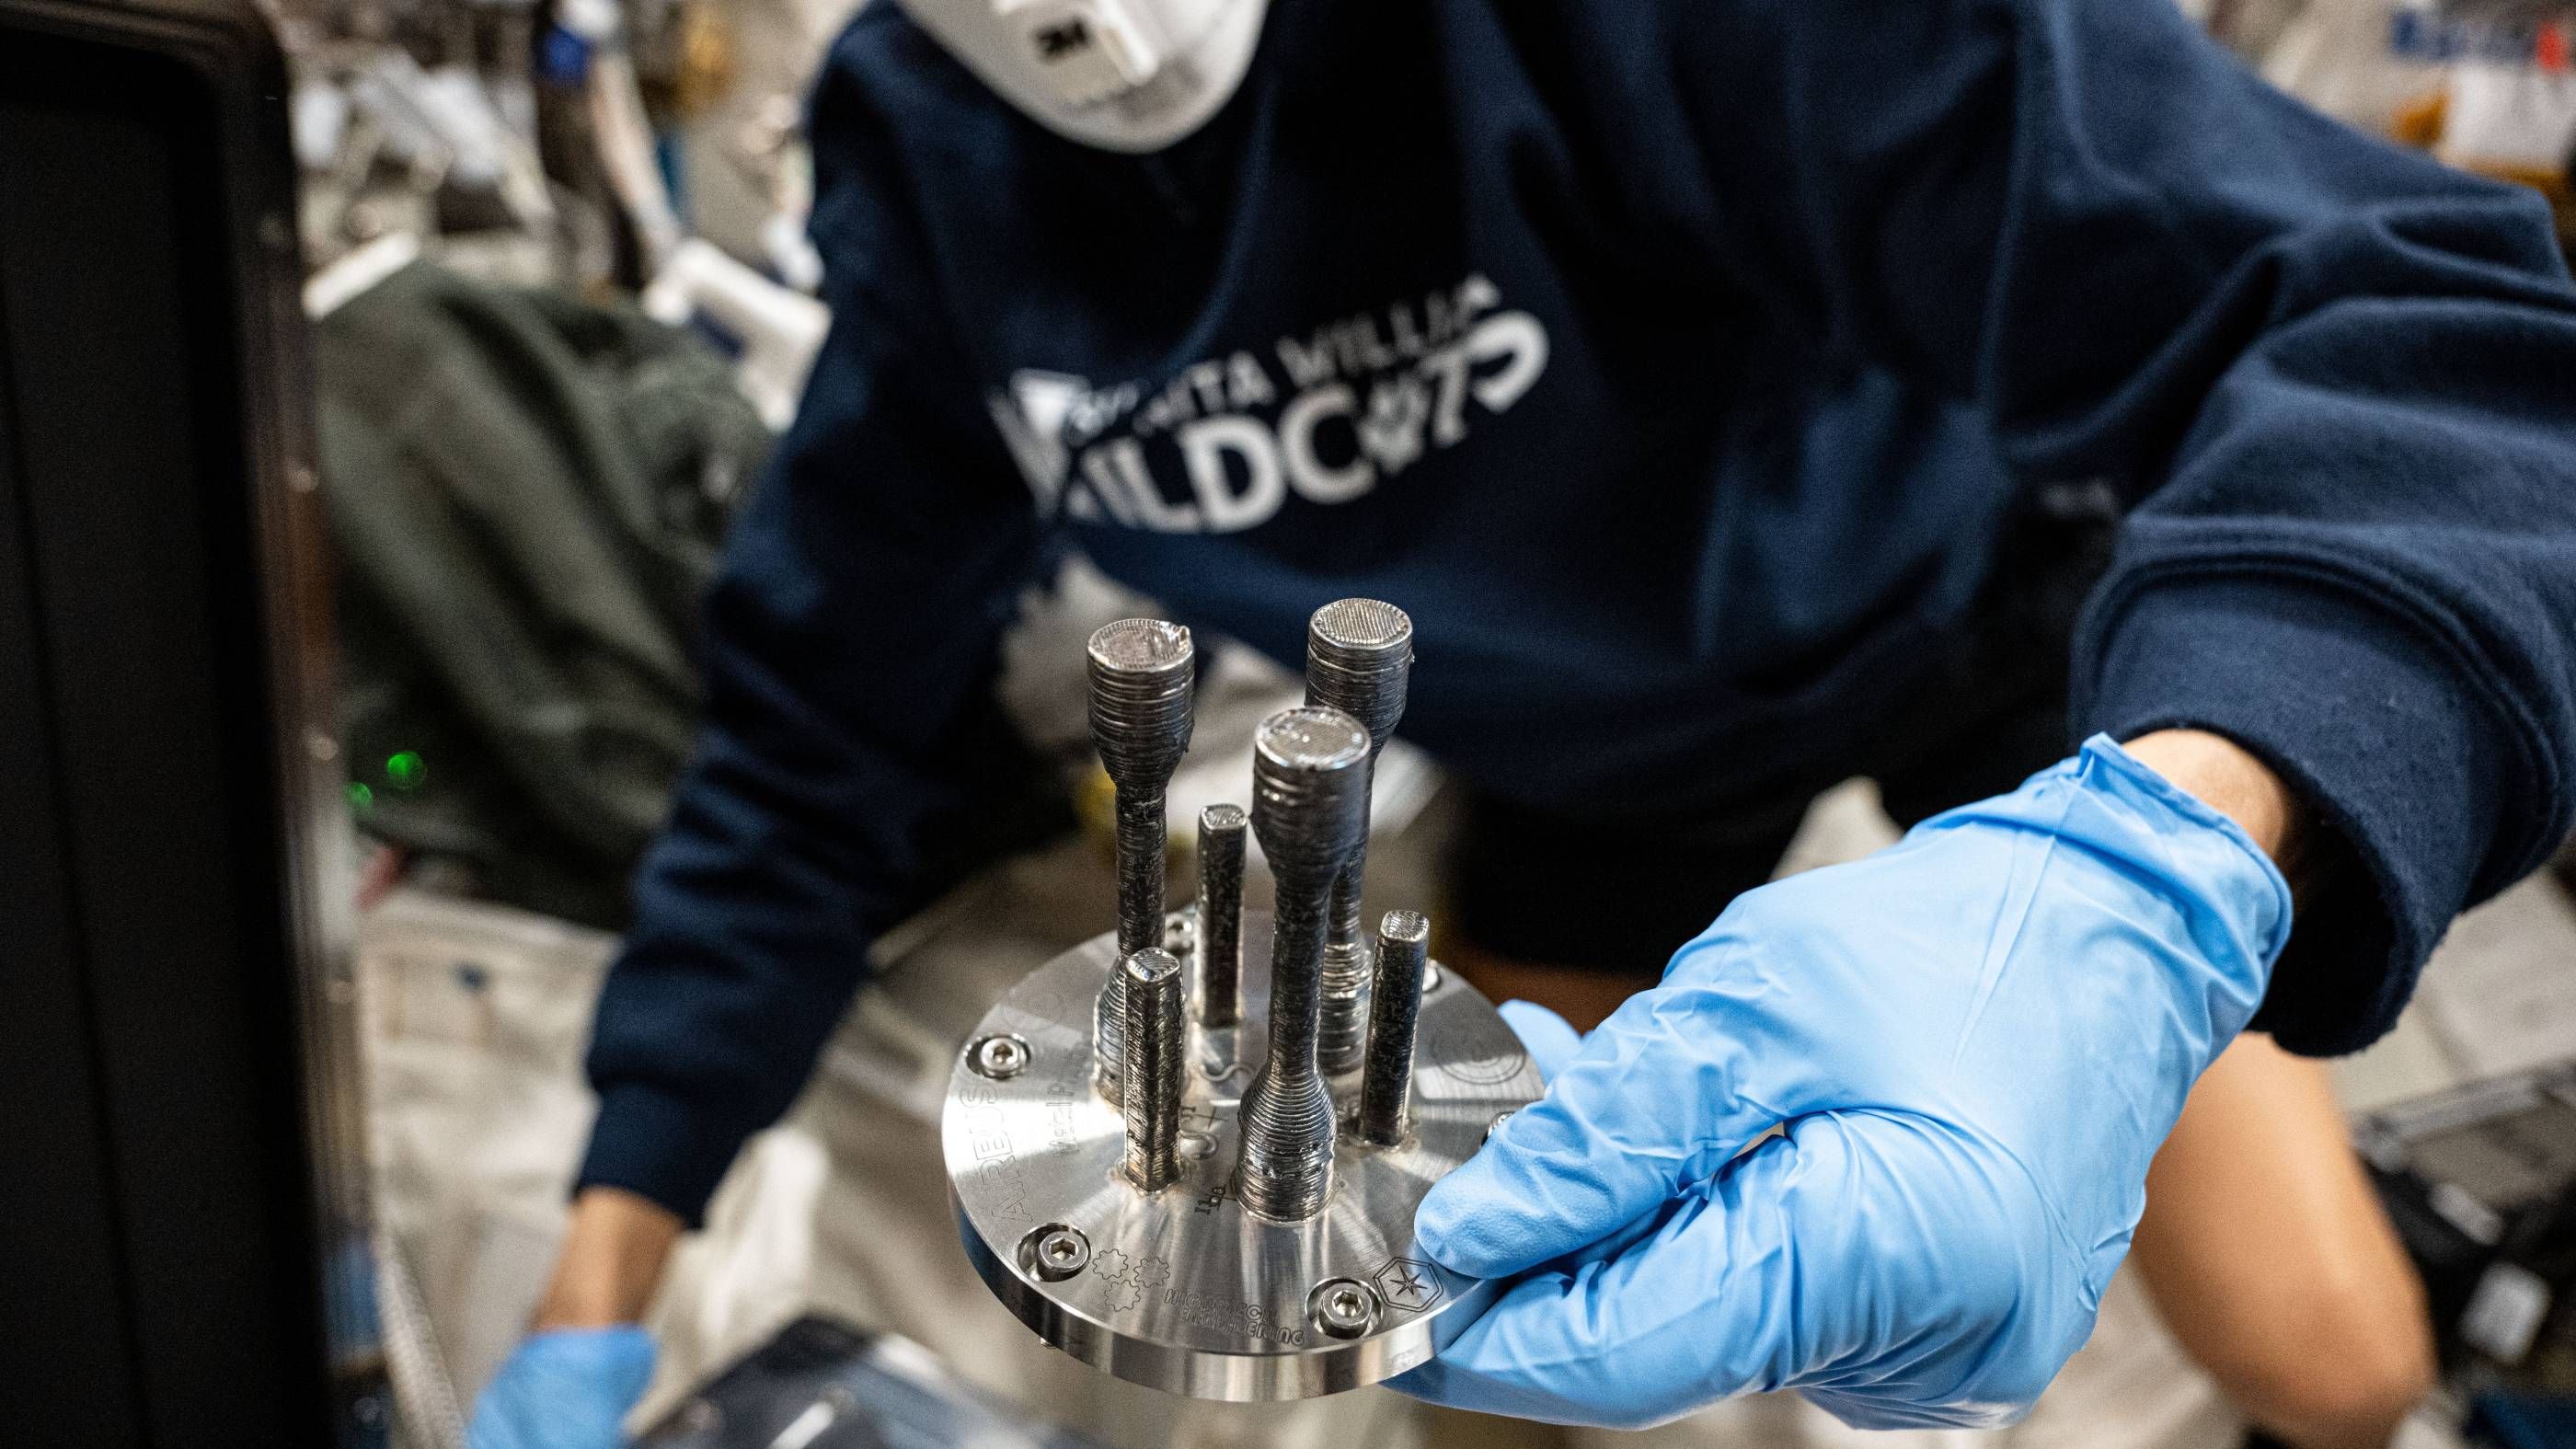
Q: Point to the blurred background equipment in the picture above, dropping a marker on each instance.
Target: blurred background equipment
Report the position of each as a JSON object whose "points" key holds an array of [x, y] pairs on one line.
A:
{"points": [[2486, 85], [2481, 1183], [527, 493], [561, 295], [823, 1384], [579, 143]]}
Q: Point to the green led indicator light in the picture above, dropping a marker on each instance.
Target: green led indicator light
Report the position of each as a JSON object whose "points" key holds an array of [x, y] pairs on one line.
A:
{"points": [[407, 770], [360, 797]]}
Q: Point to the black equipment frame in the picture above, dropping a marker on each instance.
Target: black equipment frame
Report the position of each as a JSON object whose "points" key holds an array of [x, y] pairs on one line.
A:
{"points": [[182, 1250]]}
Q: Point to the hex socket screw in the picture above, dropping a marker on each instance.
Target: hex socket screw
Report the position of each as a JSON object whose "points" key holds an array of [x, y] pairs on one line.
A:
{"points": [[1220, 944], [1359, 660], [1309, 788], [1155, 1034], [1141, 672], [1395, 1011], [998, 1057], [1055, 1252], [1343, 1307]]}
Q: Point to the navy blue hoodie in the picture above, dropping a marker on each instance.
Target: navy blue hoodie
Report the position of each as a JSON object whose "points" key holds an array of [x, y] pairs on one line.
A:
{"points": [[1674, 362]]}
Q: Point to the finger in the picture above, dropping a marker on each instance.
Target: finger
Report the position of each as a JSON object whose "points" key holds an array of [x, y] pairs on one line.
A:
{"points": [[1693, 1310], [1656, 1100], [1860, 1258], [1550, 1039]]}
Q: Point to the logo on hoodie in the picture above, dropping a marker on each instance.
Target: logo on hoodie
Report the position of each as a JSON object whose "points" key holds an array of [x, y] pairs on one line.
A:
{"points": [[1220, 445]]}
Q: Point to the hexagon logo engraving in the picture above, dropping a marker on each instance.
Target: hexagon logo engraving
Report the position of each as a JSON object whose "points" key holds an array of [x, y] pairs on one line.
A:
{"points": [[1408, 1285]]}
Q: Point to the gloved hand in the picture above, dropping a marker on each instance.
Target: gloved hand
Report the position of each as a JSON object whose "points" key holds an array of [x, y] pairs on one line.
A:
{"points": [[1975, 1041], [565, 1389]]}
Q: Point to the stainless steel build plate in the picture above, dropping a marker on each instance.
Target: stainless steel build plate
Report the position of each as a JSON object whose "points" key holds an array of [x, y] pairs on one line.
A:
{"points": [[1183, 1290]]}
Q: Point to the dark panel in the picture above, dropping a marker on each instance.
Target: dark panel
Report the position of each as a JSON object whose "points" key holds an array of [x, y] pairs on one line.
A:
{"points": [[66, 1297], [120, 300]]}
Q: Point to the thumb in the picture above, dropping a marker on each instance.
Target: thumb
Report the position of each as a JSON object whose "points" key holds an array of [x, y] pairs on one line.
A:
{"points": [[1655, 1100], [1549, 1038]]}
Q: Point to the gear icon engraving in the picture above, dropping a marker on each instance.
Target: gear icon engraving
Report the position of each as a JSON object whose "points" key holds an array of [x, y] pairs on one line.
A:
{"points": [[1125, 1278]]}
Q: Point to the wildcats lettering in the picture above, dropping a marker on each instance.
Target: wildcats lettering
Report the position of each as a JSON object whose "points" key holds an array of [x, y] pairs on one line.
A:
{"points": [[1221, 444]]}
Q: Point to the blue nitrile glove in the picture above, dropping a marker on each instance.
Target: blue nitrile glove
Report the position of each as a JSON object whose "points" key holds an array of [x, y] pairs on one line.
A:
{"points": [[1551, 1039], [565, 1389], [1976, 1039]]}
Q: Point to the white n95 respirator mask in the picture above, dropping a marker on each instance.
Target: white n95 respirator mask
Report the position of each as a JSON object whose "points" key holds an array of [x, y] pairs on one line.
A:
{"points": [[1125, 75]]}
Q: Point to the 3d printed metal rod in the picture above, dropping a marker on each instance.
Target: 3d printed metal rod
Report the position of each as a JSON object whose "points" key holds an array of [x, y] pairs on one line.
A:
{"points": [[1359, 660], [1309, 790], [1395, 1010], [1141, 671], [1220, 916], [1155, 1033]]}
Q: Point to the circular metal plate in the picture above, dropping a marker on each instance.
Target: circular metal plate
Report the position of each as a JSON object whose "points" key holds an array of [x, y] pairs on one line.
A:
{"points": [[1183, 1290]]}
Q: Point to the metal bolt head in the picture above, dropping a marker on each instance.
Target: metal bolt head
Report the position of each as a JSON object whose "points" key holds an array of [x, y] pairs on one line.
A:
{"points": [[1497, 1124], [1406, 927], [1359, 656], [1140, 646], [998, 1057], [1055, 1252], [1343, 1308], [1141, 670], [1309, 788]]}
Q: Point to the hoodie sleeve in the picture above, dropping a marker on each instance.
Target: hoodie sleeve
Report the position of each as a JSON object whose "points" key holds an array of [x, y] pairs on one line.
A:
{"points": [[851, 641], [2334, 382]]}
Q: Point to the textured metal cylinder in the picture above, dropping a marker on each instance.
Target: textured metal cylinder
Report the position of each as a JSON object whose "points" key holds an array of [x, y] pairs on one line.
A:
{"points": [[1155, 1036], [1395, 1012], [1221, 830], [1309, 796], [1141, 672], [1359, 660]]}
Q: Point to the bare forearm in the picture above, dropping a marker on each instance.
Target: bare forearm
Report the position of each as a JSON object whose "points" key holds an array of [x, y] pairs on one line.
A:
{"points": [[612, 1261], [2271, 1260], [2262, 1127]]}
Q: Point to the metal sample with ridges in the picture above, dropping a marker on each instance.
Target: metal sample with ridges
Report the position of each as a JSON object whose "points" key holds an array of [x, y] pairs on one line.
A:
{"points": [[1157, 1035], [1184, 1290], [1198, 1224], [1309, 796], [1220, 940], [1359, 660], [1395, 1012], [1141, 673]]}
